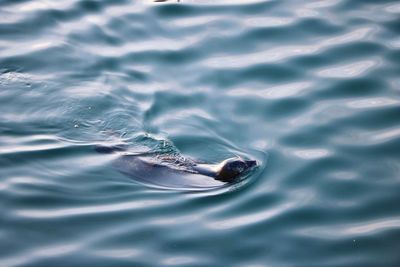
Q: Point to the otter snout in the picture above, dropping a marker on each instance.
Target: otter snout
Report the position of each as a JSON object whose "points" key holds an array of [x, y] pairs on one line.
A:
{"points": [[251, 163]]}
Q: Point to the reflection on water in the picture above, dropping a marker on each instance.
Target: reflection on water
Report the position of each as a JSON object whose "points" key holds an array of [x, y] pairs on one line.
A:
{"points": [[308, 88]]}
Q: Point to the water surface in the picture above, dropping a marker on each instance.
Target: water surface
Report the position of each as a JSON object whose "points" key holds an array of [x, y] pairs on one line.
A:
{"points": [[308, 88]]}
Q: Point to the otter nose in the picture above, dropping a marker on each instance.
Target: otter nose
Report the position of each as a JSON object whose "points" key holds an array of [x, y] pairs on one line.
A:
{"points": [[251, 163]]}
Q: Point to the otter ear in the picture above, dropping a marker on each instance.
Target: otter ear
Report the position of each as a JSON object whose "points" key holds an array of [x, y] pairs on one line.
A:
{"points": [[251, 163]]}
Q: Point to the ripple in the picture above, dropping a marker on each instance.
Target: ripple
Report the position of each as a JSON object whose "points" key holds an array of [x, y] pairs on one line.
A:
{"points": [[394, 8], [178, 260], [109, 208], [268, 21], [348, 70], [311, 153], [372, 103], [37, 254], [288, 52], [358, 230], [275, 92], [388, 134], [249, 219], [117, 253]]}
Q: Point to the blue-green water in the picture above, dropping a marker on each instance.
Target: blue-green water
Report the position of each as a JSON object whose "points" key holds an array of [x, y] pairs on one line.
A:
{"points": [[308, 88]]}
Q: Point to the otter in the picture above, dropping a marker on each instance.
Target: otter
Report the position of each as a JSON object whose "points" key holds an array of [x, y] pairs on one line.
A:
{"points": [[226, 171], [177, 171]]}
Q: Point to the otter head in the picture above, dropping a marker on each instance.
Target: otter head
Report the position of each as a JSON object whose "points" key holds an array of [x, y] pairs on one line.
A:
{"points": [[233, 168]]}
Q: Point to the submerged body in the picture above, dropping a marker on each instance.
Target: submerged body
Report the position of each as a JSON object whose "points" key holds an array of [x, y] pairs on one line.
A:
{"points": [[177, 172]]}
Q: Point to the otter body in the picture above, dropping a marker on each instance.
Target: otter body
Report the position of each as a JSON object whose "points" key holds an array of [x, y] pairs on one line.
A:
{"points": [[178, 172]]}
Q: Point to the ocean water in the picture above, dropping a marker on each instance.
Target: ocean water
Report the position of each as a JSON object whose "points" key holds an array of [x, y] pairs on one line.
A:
{"points": [[310, 89]]}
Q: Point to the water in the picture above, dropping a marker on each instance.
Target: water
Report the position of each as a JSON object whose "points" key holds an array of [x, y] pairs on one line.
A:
{"points": [[308, 88]]}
